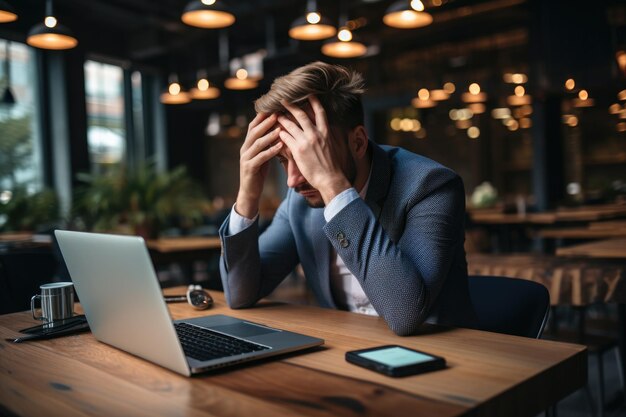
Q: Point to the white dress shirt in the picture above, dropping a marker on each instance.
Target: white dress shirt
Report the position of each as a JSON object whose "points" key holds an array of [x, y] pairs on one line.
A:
{"points": [[346, 288]]}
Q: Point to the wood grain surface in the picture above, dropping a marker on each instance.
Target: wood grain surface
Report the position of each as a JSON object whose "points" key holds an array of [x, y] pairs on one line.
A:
{"points": [[603, 249], [487, 374]]}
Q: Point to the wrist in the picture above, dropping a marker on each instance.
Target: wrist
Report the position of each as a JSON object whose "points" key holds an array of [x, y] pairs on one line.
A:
{"points": [[246, 206], [332, 190]]}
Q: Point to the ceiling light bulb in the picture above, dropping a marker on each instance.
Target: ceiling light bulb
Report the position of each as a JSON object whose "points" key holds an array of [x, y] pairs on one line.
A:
{"points": [[345, 35], [519, 78], [208, 2], [417, 5], [174, 88], [583, 95], [423, 94], [473, 132], [474, 88], [449, 87], [50, 21], [203, 84], [241, 74], [519, 91], [406, 16], [570, 84], [313, 18]]}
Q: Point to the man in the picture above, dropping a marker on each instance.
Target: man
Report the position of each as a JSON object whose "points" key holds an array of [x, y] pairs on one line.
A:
{"points": [[378, 230]]}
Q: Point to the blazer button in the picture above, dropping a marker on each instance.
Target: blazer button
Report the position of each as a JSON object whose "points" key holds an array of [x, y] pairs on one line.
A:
{"points": [[344, 243], [340, 236]]}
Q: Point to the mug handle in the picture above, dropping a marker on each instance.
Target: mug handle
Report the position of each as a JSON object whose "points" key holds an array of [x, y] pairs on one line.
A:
{"points": [[32, 307]]}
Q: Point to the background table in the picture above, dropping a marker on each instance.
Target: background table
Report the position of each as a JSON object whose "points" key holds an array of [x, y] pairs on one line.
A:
{"points": [[602, 249], [185, 251], [488, 374]]}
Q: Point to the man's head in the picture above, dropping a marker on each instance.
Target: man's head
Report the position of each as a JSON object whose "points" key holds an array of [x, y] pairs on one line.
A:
{"points": [[338, 89]]}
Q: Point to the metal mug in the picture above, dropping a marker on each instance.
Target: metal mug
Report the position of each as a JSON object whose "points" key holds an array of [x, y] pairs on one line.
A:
{"points": [[57, 301]]}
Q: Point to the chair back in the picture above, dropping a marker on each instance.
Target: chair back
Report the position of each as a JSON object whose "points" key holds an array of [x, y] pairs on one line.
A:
{"points": [[509, 305]]}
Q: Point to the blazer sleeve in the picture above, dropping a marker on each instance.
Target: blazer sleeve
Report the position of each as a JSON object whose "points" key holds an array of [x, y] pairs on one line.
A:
{"points": [[251, 266], [402, 279]]}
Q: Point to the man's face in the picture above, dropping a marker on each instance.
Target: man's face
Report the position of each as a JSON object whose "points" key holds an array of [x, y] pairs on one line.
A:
{"points": [[296, 180]]}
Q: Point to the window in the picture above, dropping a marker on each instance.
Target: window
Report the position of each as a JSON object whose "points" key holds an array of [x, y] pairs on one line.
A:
{"points": [[106, 132], [20, 149]]}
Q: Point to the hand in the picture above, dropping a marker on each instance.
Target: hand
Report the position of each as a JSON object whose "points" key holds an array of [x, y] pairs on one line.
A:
{"points": [[261, 145], [314, 149]]}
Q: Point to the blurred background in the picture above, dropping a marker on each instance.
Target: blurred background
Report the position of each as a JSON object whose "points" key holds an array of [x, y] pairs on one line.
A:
{"points": [[127, 116]]}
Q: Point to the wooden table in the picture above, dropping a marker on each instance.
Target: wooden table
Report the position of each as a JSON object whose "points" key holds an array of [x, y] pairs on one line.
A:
{"points": [[583, 233], [603, 249], [488, 374], [185, 251], [569, 214], [184, 244], [507, 230]]}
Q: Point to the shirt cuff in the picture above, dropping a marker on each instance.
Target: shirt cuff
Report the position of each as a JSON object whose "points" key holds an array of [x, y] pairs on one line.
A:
{"points": [[237, 222], [338, 203]]}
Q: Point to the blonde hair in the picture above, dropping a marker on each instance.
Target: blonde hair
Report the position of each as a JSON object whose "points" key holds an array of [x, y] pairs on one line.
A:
{"points": [[338, 89]]}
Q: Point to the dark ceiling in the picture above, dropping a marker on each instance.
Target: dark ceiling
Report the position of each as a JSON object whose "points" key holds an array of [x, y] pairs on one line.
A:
{"points": [[466, 35], [150, 33]]}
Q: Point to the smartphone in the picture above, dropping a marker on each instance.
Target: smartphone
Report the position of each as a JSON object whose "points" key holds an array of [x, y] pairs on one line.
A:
{"points": [[57, 325], [395, 360]]}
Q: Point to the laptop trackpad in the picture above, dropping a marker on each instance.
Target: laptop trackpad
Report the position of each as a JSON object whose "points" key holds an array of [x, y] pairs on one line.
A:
{"points": [[243, 329]]}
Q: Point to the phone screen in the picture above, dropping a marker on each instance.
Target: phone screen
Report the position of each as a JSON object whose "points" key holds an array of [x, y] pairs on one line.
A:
{"points": [[396, 356]]}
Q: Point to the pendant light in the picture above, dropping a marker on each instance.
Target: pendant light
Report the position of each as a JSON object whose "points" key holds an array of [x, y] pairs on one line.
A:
{"points": [[474, 95], [241, 81], [50, 34], [423, 100], [344, 46], [174, 93], [407, 15], [312, 26], [7, 13], [7, 97], [207, 14], [204, 90]]}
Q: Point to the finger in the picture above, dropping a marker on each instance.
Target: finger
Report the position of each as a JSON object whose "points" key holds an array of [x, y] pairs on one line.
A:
{"points": [[257, 119], [321, 121], [261, 143], [290, 126], [256, 131], [289, 140], [267, 154], [299, 114]]}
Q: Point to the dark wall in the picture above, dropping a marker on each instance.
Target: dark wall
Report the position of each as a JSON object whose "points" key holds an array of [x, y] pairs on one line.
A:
{"points": [[186, 141]]}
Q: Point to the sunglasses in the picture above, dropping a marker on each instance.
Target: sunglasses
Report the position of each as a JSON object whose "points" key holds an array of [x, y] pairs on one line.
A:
{"points": [[196, 296]]}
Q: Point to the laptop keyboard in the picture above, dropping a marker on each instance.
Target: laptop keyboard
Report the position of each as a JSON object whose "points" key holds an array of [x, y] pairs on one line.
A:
{"points": [[204, 344]]}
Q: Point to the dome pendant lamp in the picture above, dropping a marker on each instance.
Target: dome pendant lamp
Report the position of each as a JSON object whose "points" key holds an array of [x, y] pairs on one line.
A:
{"points": [[203, 89], [312, 26], [50, 34], [407, 15], [174, 93], [7, 13], [207, 14], [344, 46], [241, 81]]}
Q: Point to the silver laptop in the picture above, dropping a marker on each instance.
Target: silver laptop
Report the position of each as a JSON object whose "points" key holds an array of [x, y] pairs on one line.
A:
{"points": [[120, 294]]}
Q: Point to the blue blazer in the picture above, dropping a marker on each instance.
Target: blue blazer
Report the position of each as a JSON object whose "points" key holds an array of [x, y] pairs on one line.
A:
{"points": [[404, 244]]}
